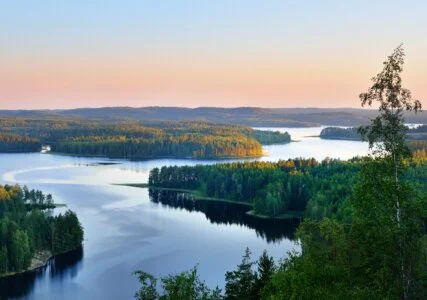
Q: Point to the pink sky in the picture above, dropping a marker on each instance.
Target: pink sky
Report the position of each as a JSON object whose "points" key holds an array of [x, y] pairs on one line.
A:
{"points": [[277, 55]]}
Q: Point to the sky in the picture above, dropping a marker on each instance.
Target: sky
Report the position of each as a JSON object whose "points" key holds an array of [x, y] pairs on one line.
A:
{"points": [[275, 53]]}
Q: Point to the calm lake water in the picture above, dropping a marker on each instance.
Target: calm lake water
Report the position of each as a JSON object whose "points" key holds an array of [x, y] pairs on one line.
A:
{"points": [[126, 231]]}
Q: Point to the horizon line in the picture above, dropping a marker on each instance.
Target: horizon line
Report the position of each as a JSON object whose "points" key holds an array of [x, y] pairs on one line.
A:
{"points": [[184, 107]]}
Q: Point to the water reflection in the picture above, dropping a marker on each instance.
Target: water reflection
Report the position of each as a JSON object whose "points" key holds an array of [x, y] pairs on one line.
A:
{"points": [[66, 265], [62, 267], [227, 213]]}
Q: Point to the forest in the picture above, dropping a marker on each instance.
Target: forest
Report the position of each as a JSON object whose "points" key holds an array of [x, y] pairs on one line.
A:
{"points": [[133, 140], [295, 186], [271, 137], [364, 235], [13, 143], [26, 229], [353, 133], [337, 133]]}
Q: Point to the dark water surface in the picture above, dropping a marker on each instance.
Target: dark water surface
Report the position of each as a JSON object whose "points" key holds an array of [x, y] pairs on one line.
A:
{"points": [[125, 230]]}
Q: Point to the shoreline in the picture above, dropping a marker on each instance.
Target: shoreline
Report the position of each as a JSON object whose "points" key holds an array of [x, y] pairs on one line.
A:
{"points": [[40, 260], [340, 139]]}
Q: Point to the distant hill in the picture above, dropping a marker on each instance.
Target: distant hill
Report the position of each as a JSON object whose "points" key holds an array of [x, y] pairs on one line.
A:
{"points": [[251, 116]]}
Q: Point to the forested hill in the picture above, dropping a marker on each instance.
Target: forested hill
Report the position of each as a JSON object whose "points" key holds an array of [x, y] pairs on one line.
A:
{"points": [[251, 116], [129, 139]]}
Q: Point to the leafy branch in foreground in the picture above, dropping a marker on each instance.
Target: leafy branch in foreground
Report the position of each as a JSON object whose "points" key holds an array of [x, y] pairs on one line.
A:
{"points": [[242, 283], [185, 285]]}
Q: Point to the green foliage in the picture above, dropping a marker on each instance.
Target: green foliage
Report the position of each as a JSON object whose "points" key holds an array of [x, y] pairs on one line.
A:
{"points": [[37, 226], [241, 283], [266, 270], [320, 271], [25, 230], [66, 232], [185, 285], [378, 227], [394, 230], [273, 188], [148, 289], [19, 251]]}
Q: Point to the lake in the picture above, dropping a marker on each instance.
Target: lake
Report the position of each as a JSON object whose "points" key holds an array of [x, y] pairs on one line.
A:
{"points": [[126, 231]]}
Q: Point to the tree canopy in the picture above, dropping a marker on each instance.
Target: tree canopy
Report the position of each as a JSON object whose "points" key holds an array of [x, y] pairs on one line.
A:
{"points": [[26, 230]]}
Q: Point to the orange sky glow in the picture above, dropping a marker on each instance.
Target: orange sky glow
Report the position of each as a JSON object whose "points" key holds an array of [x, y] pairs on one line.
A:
{"points": [[185, 62]]}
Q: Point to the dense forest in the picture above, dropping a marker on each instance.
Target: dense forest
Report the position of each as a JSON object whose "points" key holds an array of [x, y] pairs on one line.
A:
{"points": [[133, 140], [13, 143], [25, 230], [298, 186], [353, 133], [367, 238]]}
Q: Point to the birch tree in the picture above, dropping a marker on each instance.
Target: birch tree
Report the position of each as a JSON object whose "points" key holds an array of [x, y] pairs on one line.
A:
{"points": [[383, 200]]}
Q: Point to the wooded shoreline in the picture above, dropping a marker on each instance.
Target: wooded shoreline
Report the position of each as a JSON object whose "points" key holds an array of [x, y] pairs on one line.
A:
{"points": [[39, 261]]}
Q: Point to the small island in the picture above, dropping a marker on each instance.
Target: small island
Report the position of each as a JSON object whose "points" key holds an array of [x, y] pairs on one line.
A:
{"points": [[338, 133], [29, 237]]}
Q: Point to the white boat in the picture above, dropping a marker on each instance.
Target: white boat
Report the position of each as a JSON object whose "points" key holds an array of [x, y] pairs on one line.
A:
{"points": [[45, 149]]}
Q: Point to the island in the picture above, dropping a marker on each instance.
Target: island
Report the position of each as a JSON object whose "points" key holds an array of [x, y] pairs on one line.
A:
{"points": [[339, 133]]}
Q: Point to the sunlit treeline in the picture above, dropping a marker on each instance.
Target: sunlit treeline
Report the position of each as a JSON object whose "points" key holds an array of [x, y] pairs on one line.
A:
{"points": [[132, 140]]}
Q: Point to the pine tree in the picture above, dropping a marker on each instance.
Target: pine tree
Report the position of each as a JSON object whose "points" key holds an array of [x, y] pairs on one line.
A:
{"points": [[240, 284]]}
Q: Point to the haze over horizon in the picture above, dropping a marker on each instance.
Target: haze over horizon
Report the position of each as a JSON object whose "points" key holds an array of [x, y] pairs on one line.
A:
{"points": [[192, 107], [73, 54]]}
